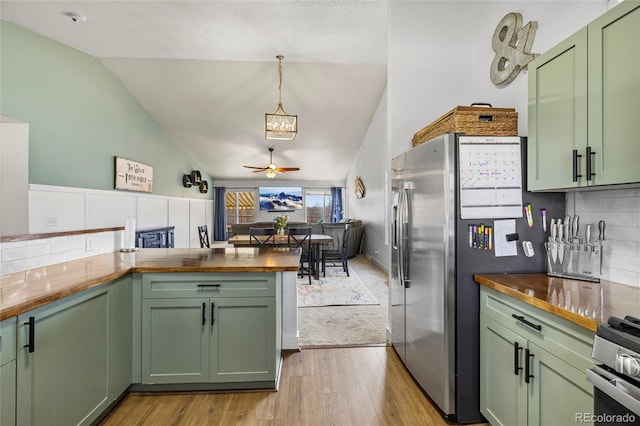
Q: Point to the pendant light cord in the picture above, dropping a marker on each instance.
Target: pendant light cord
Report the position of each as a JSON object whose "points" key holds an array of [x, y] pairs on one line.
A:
{"points": [[280, 58]]}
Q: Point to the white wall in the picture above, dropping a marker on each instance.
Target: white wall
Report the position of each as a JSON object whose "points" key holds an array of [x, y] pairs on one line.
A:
{"points": [[58, 209], [440, 53], [370, 164]]}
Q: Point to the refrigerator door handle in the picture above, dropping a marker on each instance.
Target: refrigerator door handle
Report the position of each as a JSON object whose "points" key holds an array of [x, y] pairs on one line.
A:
{"points": [[400, 236], [406, 225]]}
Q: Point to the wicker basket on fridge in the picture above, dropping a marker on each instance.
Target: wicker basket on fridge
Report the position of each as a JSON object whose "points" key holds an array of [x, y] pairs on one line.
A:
{"points": [[475, 120]]}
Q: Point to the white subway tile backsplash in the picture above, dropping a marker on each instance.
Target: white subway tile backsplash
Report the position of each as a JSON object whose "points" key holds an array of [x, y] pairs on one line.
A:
{"points": [[624, 248], [24, 252], [589, 204], [625, 263], [75, 242], [620, 209], [630, 204], [622, 233], [620, 276]]}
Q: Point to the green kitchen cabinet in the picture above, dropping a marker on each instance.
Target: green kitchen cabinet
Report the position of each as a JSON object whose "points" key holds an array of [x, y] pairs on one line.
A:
{"points": [[71, 362], [8, 372], [584, 106], [227, 335], [530, 376], [175, 341]]}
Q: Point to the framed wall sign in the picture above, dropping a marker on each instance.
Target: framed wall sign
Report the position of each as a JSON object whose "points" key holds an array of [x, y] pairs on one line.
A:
{"points": [[133, 176]]}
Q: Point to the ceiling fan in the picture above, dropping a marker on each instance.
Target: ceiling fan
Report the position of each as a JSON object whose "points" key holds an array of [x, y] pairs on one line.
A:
{"points": [[272, 169]]}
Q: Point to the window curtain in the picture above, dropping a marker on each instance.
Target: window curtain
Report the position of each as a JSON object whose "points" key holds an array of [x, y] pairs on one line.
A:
{"points": [[336, 204], [220, 216]]}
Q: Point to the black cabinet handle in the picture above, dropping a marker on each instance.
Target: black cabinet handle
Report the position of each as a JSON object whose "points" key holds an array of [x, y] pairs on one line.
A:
{"points": [[516, 358], [204, 314], [590, 154], [209, 286], [524, 321], [32, 334], [576, 163], [527, 372], [212, 317]]}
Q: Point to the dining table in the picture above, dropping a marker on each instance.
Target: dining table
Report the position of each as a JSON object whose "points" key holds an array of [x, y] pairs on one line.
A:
{"points": [[317, 241]]}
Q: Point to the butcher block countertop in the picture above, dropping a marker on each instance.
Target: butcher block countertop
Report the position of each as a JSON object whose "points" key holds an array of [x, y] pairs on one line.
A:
{"points": [[584, 303], [23, 291]]}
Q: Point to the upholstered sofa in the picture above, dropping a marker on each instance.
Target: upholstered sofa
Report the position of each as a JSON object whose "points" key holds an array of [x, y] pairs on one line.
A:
{"points": [[356, 232]]}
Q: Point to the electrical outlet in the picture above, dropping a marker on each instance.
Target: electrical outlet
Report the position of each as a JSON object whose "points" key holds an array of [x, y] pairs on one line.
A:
{"points": [[375, 252], [89, 244], [51, 221]]}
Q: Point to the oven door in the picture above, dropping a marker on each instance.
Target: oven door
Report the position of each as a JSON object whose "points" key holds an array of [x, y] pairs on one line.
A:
{"points": [[616, 399]]}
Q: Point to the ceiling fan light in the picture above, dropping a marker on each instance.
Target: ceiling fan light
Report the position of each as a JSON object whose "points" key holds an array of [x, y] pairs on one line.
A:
{"points": [[271, 174]]}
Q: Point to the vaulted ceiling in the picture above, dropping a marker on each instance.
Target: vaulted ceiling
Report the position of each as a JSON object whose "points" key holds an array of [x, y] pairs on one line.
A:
{"points": [[207, 71]]}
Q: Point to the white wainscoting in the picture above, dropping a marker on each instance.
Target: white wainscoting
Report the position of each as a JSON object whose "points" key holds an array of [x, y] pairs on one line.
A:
{"points": [[59, 209]]}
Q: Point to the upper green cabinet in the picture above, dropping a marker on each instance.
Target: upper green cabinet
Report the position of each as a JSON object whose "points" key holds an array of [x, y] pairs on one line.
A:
{"points": [[584, 105]]}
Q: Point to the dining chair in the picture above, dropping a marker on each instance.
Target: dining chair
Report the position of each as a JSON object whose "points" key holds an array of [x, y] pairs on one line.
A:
{"points": [[203, 233], [300, 237], [336, 253], [262, 237]]}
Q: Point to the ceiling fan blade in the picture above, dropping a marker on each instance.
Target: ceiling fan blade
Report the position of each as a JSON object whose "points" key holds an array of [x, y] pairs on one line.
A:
{"points": [[260, 169], [287, 169]]}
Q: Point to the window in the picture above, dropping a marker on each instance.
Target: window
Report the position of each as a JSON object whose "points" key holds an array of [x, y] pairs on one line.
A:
{"points": [[240, 206], [318, 204]]}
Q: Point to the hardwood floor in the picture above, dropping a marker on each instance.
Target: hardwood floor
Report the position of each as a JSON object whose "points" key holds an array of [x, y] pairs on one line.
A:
{"points": [[333, 386]]}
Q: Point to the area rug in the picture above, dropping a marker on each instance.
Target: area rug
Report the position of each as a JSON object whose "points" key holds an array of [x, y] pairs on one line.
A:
{"points": [[348, 325], [336, 289]]}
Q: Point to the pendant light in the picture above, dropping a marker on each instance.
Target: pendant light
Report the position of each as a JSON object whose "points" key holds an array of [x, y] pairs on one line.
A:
{"points": [[280, 125]]}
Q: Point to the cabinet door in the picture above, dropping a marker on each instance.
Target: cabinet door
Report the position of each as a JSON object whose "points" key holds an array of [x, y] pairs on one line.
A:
{"points": [[558, 392], [175, 340], [8, 394], [64, 380], [503, 394], [557, 114], [614, 95], [243, 345]]}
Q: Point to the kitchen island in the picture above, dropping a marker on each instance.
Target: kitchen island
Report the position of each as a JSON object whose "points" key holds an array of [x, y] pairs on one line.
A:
{"points": [[155, 319]]}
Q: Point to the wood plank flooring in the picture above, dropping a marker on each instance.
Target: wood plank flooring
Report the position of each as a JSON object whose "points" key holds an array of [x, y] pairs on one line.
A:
{"points": [[331, 386]]}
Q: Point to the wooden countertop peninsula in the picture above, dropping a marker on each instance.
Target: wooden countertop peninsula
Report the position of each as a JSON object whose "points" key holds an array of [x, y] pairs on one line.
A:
{"points": [[23, 291], [584, 303]]}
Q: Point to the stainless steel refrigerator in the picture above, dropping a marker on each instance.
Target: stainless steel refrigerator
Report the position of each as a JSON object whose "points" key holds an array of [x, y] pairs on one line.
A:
{"points": [[441, 190]]}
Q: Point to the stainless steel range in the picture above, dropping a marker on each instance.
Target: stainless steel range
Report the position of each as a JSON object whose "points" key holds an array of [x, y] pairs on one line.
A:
{"points": [[616, 382]]}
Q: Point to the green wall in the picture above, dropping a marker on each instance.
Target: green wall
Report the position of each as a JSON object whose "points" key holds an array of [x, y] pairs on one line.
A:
{"points": [[80, 116]]}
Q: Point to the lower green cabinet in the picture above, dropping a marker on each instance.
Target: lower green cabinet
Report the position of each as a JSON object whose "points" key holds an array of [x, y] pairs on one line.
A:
{"points": [[8, 372], [531, 376], [243, 340], [70, 360], [175, 341], [8, 393], [228, 335]]}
